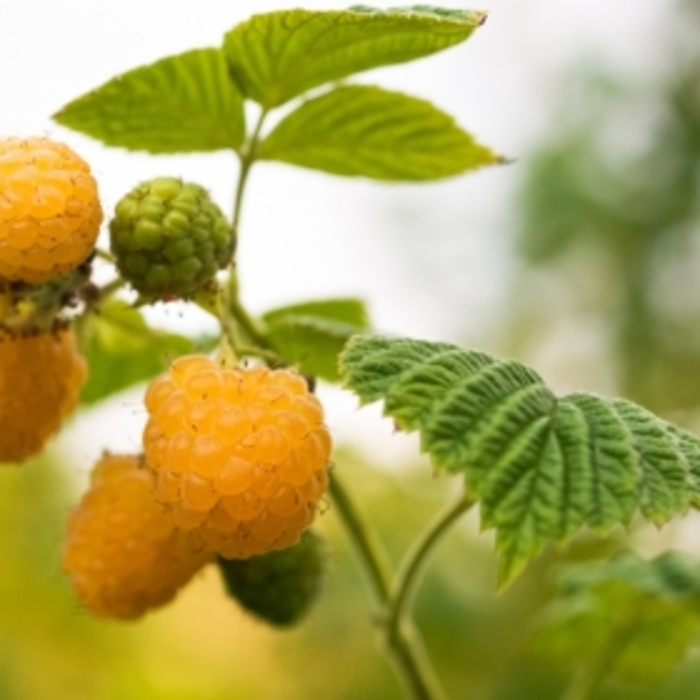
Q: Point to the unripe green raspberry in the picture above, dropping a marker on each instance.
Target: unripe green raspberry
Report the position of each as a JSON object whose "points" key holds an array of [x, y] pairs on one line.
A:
{"points": [[278, 587], [169, 237]]}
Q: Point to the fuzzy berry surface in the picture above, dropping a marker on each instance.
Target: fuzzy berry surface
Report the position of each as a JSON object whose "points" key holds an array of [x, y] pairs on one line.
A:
{"points": [[122, 552], [41, 374], [278, 587], [50, 212], [169, 238], [240, 455]]}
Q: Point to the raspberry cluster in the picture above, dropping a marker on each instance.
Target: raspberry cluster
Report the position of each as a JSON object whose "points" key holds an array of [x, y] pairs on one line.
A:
{"points": [[235, 464], [235, 460], [240, 454], [50, 213]]}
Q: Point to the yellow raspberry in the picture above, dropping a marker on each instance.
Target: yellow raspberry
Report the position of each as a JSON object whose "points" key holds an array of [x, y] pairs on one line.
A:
{"points": [[41, 375], [123, 553], [240, 455], [50, 213]]}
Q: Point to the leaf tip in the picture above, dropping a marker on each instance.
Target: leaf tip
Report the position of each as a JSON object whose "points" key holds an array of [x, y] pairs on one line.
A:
{"points": [[506, 576]]}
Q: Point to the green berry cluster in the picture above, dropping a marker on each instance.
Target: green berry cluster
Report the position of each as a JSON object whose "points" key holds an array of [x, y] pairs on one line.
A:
{"points": [[169, 238]]}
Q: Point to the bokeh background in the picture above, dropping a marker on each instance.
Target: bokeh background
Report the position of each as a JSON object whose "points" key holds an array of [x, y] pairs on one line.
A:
{"points": [[579, 258]]}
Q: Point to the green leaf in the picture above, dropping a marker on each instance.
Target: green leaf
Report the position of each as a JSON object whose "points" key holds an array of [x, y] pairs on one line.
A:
{"points": [[179, 104], [642, 614], [350, 311], [368, 131], [279, 55], [542, 467], [312, 334], [121, 350]]}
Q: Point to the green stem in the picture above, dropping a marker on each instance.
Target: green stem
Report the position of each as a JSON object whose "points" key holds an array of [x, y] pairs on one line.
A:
{"points": [[250, 326], [111, 287], [410, 572], [247, 156], [371, 555], [584, 683], [272, 358], [105, 255], [231, 317], [212, 299], [399, 638]]}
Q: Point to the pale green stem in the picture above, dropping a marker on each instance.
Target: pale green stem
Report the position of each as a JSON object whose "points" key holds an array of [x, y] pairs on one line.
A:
{"points": [[105, 255], [250, 326], [371, 555], [232, 317], [247, 157], [111, 287], [410, 572], [400, 640], [212, 300]]}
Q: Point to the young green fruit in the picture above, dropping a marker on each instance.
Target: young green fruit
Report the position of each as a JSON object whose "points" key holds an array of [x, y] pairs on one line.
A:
{"points": [[278, 587], [169, 238]]}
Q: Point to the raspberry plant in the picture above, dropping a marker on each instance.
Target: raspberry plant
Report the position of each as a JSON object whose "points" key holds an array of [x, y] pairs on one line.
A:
{"points": [[236, 453]]}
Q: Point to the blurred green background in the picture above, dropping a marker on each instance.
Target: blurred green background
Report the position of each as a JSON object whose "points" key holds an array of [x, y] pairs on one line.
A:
{"points": [[605, 296]]}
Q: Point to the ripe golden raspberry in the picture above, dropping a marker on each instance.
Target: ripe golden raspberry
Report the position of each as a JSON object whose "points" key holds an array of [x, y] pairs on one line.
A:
{"points": [[123, 553], [50, 213], [240, 454], [41, 375]]}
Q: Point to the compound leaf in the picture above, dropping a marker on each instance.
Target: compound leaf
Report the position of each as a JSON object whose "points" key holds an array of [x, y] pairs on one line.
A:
{"points": [[541, 466], [279, 55], [371, 132], [179, 104]]}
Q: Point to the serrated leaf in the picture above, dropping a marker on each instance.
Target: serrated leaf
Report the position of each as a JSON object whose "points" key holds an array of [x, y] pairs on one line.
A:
{"points": [[643, 614], [122, 350], [311, 335], [360, 130], [541, 466], [279, 55], [179, 104]]}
